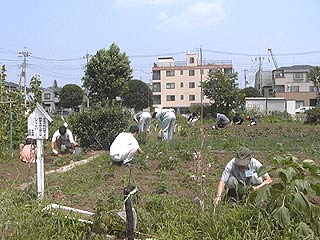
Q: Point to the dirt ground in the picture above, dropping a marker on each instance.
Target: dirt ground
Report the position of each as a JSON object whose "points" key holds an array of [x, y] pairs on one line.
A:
{"points": [[15, 172]]}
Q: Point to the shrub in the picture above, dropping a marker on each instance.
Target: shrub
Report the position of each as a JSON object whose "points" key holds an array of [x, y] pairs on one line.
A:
{"points": [[96, 129], [313, 115]]}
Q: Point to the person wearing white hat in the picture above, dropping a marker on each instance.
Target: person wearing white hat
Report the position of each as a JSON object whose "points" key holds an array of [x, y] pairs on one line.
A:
{"points": [[241, 172]]}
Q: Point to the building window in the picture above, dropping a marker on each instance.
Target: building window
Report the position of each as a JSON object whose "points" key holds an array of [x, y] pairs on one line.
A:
{"points": [[170, 73], [171, 98], [191, 72], [181, 97], [278, 74], [293, 88], [47, 96], [156, 99], [156, 75], [279, 88], [181, 84], [181, 72], [298, 76], [156, 87], [170, 86], [312, 89], [192, 85], [192, 98], [192, 60]]}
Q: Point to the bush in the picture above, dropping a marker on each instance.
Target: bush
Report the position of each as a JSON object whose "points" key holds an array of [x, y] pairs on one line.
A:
{"points": [[96, 129], [313, 115]]}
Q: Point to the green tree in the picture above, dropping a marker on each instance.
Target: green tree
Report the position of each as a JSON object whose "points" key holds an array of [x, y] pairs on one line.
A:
{"points": [[223, 91], [251, 92], [71, 96], [107, 75], [314, 77], [13, 118], [35, 91], [138, 95]]}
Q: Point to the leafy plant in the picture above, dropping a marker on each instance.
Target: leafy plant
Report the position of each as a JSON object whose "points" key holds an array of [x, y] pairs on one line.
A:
{"points": [[288, 198]]}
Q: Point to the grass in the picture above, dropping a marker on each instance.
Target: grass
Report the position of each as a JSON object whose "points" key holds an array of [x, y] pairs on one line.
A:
{"points": [[165, 201]]}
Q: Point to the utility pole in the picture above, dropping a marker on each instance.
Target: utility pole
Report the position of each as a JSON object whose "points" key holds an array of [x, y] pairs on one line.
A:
{"points": [[245, 78], [87, 56], [201, 93], [260, 59], [23, 76]]}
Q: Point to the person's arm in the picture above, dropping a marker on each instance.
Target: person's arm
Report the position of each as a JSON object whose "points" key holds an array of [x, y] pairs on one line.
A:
{"points": [[135, 118], [217, 198], [140, 151], [53, 149], [71, 138], [266, 180]]}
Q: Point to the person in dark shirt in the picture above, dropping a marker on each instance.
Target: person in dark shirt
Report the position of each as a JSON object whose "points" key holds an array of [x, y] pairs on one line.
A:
{"points": [[237, 119]]}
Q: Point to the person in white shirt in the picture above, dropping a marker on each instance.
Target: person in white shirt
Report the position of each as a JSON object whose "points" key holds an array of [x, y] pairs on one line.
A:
{"points": [[62, 141], [125, 146], [144, 121], [167, 120]]}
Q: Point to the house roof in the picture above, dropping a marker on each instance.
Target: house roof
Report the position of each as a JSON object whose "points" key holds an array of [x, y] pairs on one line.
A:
{"points": [[296, 67], [10, 85]]}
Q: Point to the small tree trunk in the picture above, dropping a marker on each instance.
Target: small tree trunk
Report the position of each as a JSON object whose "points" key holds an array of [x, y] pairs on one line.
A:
{"points": [[129, 213]]}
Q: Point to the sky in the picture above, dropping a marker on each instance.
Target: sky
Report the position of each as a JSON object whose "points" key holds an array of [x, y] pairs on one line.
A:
{"points": [[58, 34]]}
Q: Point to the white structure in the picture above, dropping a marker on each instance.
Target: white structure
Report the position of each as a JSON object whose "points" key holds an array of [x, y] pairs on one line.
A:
{"points": [[38, 126], [266, 105]]}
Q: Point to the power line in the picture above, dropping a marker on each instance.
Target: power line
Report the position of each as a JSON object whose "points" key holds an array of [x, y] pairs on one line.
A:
{"points": [[263, 55], [58, 60]]}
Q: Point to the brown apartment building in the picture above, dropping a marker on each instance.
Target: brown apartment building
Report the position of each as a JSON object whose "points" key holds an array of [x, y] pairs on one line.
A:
{"points": [[291, 83], [176, 84]]}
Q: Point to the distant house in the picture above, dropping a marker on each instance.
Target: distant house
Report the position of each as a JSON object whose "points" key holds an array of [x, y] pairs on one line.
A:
{"points": [[50, 99], [291, 83], [11, 85]]}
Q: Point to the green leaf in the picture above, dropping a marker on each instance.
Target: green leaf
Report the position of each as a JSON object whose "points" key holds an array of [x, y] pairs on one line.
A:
{"points": [[282, 216], [305, 231], [263, 194], [286, 174], [264, 169], [316, 187], [301, 202], [302, 185]]}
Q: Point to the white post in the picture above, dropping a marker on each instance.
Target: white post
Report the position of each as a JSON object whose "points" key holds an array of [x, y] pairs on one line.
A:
{"points": [[40, 169]]}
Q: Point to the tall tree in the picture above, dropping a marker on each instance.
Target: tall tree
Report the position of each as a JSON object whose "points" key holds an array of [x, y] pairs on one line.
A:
{"points": [[138, 95], [107, 75], [71, 96], [13, 118], [314, 77], [223, 91], [35, 91]]}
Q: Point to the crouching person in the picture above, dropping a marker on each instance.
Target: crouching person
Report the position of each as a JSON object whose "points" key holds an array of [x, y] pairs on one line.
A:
{"points": [[62, 141], [125, 146], [240, 173], [28, 150]]}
